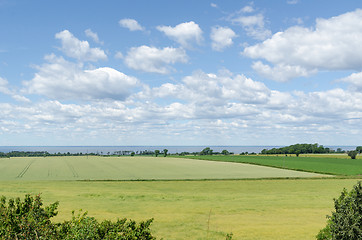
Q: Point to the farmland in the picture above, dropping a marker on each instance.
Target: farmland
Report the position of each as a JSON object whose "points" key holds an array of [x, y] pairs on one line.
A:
{"points": [[222, 197], [251, 209], [133, 168], [329, 164]]}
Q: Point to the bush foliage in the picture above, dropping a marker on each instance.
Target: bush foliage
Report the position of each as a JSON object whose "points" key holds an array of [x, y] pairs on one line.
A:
{"points": [[346, 222], [28, 219]]}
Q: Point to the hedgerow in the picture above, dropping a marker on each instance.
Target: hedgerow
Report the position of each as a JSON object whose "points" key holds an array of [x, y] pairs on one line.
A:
{"points": [[28, 219]]}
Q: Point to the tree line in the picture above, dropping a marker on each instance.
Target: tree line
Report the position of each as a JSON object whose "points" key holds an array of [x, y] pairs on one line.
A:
{"points": [[305, 148], [47, 154]]}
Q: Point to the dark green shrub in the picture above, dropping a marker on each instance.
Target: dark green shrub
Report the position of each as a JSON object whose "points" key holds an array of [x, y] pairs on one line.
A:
{"points": [[80, 227], [84, 227], [30, 220], [352, 154], [346, 222], [27, 219]]}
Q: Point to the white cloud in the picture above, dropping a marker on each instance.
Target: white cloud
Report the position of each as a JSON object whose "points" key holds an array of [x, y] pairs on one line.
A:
{"points": [[247, 9], [151, 59], [183, 33], [93, 36], [79, 50], [131, 24], [221, 37], [202, 88], [21, 98], [332, 45], [203, 106], [119, 55], [4, 86], [5, 89], [60, 79], [292, 2], [254, 26], [355, 79], [280, 72], [214, 5]]}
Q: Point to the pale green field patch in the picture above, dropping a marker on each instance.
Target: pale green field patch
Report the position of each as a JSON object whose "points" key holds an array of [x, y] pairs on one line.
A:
{"points": [[135, 168]]}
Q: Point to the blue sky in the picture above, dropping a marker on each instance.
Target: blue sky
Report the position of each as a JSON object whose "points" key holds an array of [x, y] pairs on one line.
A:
{"points": [[180, 72]]}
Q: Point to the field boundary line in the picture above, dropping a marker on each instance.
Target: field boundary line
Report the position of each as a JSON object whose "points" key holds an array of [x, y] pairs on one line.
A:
{"points": [[22, 173]]}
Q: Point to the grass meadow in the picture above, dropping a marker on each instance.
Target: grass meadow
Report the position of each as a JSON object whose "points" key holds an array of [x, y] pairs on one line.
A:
{"points": [[328, 164], [200, 200]]}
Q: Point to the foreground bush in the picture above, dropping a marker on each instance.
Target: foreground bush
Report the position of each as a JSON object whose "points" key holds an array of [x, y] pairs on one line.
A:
{"points": [[30, 220], [346, 222]]}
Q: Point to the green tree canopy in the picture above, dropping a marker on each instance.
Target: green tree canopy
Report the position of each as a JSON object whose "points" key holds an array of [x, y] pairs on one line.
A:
{"points": [[346, 222]]}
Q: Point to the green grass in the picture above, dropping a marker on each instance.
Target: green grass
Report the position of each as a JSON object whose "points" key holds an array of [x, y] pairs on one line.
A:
{"points": [[251, 209], [133, 168], [329, 164]]}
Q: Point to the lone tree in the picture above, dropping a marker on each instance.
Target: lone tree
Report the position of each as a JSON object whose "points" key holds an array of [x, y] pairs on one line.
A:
{"points": [[157, 152], [346, 222], [352, 154], [225, 152], [165, 152], [206, 151]]}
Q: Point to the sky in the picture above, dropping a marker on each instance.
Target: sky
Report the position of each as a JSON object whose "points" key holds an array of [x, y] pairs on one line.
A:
{"points": [[123, 73]]}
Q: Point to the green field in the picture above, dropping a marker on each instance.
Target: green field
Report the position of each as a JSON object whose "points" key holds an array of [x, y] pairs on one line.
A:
{"points": [[293, 208], [329, 164], [251, 209], [133, 168]]}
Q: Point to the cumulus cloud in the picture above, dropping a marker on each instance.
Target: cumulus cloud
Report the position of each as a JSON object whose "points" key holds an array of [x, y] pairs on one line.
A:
{"points": [[254, 25], [94, 36], [355, 79], [221, 37], [131, 24], [280, 72], [61, 79], [201, 104], [211, 89], [332, 45], [151, 59], [77, 49], [184, 33]]}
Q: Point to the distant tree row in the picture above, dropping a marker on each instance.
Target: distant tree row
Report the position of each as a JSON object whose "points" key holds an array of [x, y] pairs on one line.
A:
{"points": [[306, 148], [39, 154], [47, 154], [298, 149]]}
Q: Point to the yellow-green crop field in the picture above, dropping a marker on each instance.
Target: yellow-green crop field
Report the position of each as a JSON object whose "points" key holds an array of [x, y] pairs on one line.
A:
{"points": [[293, 208], [250, 209], [133, 168]]}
